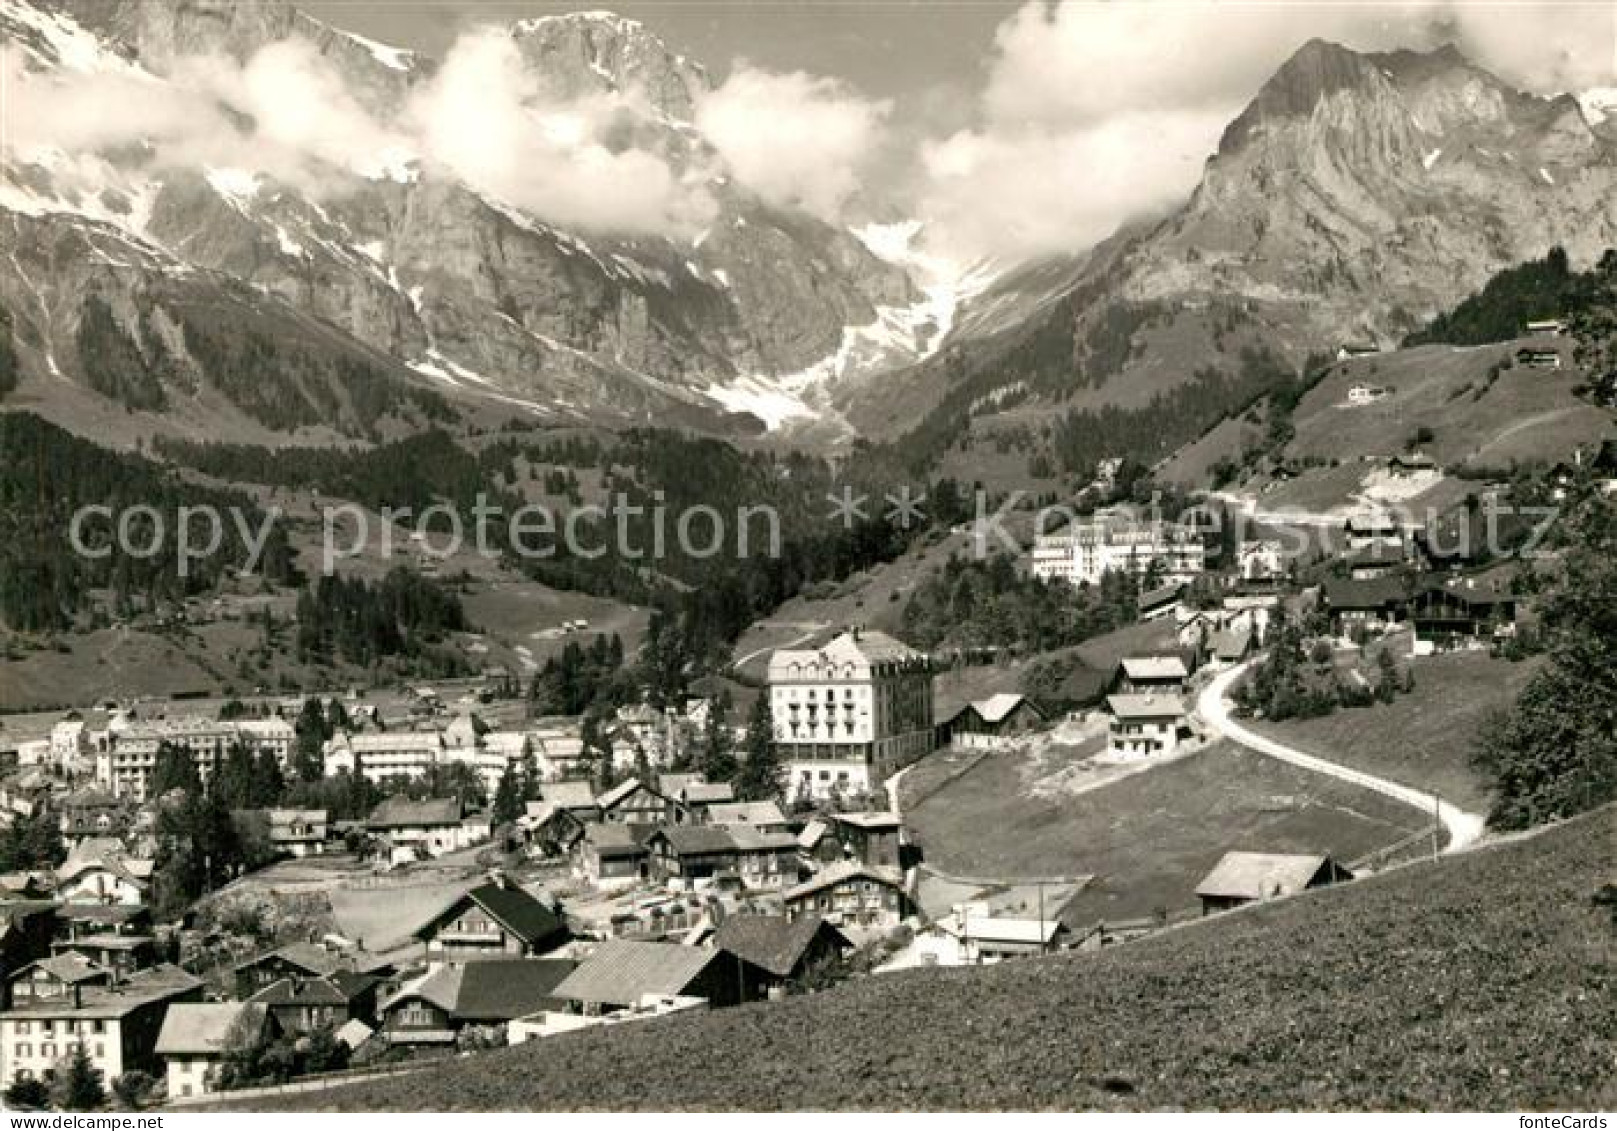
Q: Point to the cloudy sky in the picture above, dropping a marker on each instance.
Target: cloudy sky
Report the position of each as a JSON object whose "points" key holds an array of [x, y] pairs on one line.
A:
{"points": [[1019, 128], [1011, 129]]}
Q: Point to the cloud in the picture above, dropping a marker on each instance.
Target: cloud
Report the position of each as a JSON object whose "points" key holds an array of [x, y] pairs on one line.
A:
{"points": [[573, 163], [797, 140], [1093, 114]]}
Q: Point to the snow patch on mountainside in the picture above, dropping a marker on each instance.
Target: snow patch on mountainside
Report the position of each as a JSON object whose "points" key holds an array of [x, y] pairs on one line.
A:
{"points": [[1599, 104], [899, 335]]}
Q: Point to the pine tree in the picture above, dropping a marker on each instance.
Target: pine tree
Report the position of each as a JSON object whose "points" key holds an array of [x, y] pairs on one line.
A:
{"points": [[508, 796], [718, 762], [761, 777], [78, 1083]]}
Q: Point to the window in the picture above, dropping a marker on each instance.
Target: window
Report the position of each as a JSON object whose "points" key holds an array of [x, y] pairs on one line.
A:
{"points": [[98, 1026], [23, 1050]]}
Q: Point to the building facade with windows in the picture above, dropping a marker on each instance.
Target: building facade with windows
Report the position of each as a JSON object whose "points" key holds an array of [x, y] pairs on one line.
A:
{"points": [[1117, 543], [851, 713]]}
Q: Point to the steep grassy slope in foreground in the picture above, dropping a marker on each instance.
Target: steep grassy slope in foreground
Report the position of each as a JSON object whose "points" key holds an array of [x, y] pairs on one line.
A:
{"points": [[1483, 981]]}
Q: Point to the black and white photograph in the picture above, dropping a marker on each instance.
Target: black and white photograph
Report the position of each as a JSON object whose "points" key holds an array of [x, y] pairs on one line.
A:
{"points": [[807, 556]]}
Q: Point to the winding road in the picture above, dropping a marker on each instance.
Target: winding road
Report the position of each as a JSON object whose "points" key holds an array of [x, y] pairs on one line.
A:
{"points": [[1213, 706]]}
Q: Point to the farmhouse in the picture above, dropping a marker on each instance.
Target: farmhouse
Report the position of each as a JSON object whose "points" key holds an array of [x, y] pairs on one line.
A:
{"points": [[302, 1005], [1250, 877], [197, 1036], [498, 918], [99, 870], [765, 816], [850, 714], [691, 852], [993, 723], [297, 832], [1370, 604], [852, 894], [1163, 601], [611, 856], [1366, 394], [764, 859], [633, 802], [121, 954], [295, 960], [574, 796], [1151, 675], [1144, 725], [1372, 529], [422, 829], [875, 839], [1377, 560], [550, 830], [1456, 612], [435, 1008], [784, 949], [1538, 358], [621, 973], [26, 927], [970, 935]]}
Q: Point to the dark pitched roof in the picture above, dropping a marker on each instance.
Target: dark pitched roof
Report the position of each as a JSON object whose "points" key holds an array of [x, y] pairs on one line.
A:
{"points": [[308, 957], [335, 989], [512, 907], [493, 989], [696, 840], [1368, 593], [772, 942], [401, 812]]}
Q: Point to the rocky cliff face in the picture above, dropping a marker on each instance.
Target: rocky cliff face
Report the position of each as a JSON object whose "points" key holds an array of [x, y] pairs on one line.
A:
{"points": [[463, 290], [1355, 197]]}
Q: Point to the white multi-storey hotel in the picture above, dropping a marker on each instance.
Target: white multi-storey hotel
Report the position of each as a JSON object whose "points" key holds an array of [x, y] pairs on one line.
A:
{"points": [[851, 713], [125, 765], [1087, 550]]}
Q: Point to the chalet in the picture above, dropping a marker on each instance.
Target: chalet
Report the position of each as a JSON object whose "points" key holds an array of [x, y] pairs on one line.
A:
{"points": [[785, 949], [422, 829], [1349, 350], [1460, 611], [26, 927], [297, 832], [117, 1025], [1232, 645], [697, 798], [1551, 326], [633, 802], [1144, 725], [577, 796], [621, 973], [479, 997], [122, 954], [494, 919], [817, 844], [94, 813], [1376, 560], [197, 1036], [852, 894], [691, 852], [296, 960], [1151, 675], [764, 859], [1163, 601], [99, 870], [302, 1005], [62, 977], [764, 816], [993, 723], [972, 935], [1535, 357], [1375, 603], [550, 829], [612, 855], [1375, 528], [1361, 394], [1261, 562], [874, 839], [1251, 877]]}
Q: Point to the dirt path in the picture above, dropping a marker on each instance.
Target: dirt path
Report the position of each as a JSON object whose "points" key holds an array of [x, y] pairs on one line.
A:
{"points": [[1213, 706]]}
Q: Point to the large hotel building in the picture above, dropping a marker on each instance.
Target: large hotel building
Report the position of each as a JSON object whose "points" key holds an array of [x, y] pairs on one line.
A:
{"points": [[851, 713]]}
